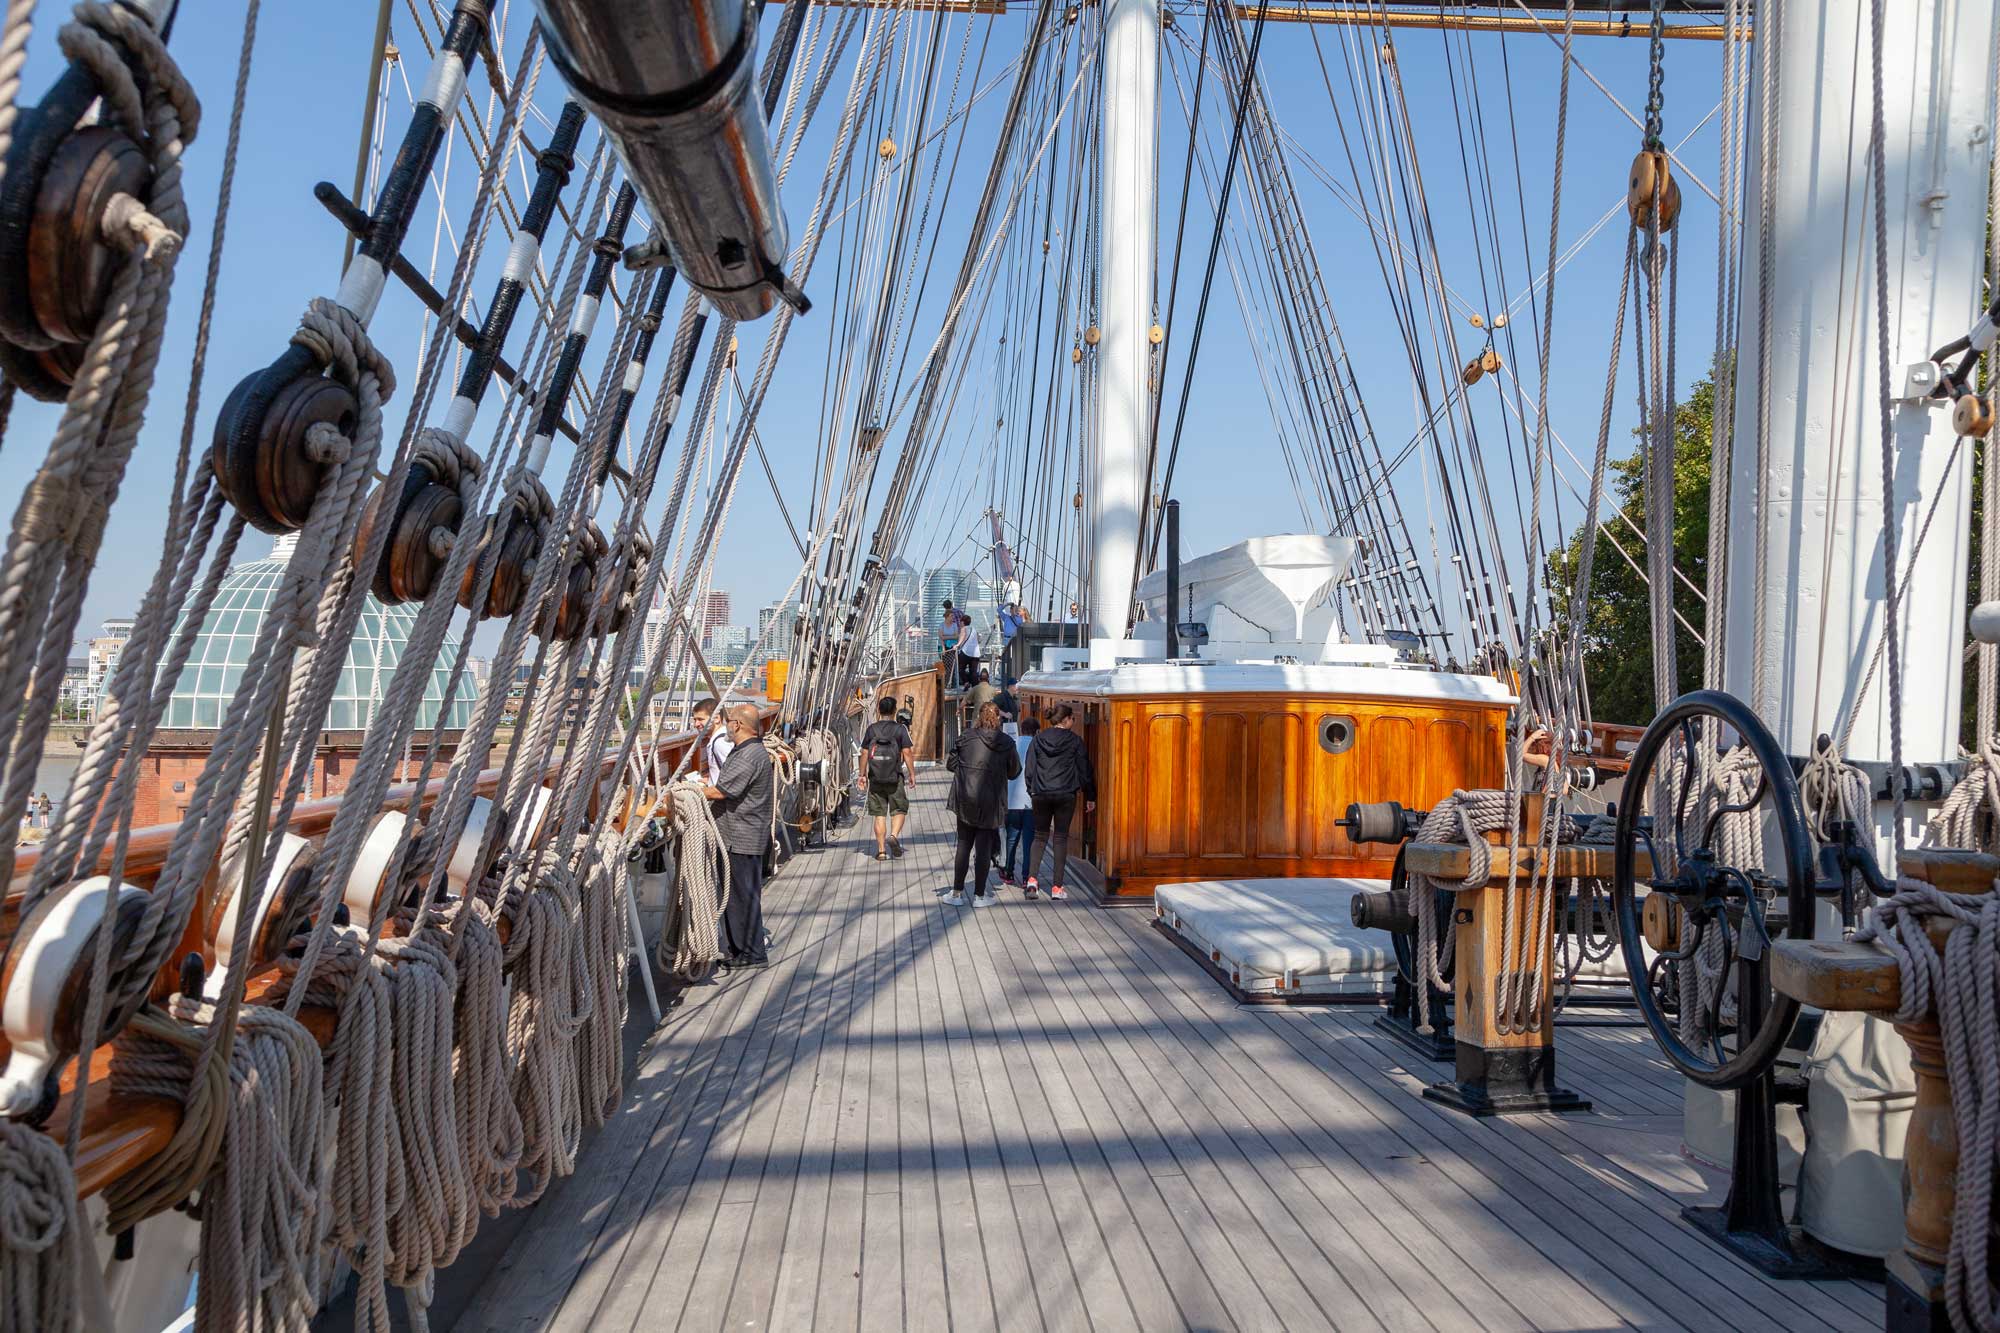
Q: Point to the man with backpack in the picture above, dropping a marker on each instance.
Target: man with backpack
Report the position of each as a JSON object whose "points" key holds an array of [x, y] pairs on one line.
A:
{"points": [[889, 770]]}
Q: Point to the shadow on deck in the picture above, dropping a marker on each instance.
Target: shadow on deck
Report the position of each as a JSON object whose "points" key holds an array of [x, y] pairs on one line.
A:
{"points": [[1039, 1115]]}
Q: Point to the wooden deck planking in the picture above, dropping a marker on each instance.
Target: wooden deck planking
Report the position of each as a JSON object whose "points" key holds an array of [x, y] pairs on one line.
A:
{"points": [[1564, 1220], [1352, 1240], [1043, 1115]]}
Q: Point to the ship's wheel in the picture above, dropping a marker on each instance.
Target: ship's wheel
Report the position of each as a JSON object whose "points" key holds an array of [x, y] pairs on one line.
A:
{"points": [[1697, 896], [1723, 803]]}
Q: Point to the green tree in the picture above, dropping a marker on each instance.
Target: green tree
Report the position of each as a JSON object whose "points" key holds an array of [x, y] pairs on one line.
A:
{"points": [[1617, 634]]}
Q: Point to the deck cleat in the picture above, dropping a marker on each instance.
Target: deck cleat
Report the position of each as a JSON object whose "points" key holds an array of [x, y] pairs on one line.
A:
{"points": [[369, 892], [44, 982], [283, 910]]}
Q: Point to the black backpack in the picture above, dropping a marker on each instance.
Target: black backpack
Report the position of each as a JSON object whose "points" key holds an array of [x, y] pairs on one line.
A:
{"points": [[885, 758]]}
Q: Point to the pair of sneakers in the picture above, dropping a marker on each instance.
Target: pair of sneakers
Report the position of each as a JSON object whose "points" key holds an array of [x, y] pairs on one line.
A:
{"points": [[956, 898], [1031, 888]]}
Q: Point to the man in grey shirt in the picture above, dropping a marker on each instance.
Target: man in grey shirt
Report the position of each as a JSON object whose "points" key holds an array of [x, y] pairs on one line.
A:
{"points": [[744, 793]]}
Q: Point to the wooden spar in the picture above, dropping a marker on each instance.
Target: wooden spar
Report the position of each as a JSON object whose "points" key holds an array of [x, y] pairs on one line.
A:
{"points": [[1370, 16]]}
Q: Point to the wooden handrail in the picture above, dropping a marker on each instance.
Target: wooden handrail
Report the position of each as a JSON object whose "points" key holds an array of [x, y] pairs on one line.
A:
{"points": [[146, 852]]}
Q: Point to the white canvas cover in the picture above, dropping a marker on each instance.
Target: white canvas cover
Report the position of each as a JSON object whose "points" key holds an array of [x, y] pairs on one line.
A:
{"points": [[1264, 929], [1842, 1153]]}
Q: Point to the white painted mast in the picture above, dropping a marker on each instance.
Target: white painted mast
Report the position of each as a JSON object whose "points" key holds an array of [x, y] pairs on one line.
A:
{"points": [[1801, 663], [1125, 250]]}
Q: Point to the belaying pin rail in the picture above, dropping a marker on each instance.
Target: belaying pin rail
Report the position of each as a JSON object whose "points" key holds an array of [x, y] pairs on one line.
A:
{"points": [[264, 463]]}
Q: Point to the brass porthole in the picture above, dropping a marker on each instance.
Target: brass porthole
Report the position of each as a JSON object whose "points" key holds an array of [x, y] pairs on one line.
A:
{"points": [[1336, 733]]}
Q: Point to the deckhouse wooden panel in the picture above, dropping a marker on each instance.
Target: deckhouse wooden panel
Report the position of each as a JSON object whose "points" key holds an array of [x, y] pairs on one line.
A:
{"points": [[1230, 786]]}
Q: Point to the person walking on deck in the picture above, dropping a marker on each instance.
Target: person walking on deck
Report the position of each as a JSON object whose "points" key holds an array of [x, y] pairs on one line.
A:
{"points": [[982, 762], [1058, 773], [889, 770], [1021, 816], [743, 791]]}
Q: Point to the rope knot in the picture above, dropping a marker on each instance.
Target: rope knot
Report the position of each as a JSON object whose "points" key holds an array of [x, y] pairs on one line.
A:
{"points": [[325, 444], [339, 342], [129, 226]]}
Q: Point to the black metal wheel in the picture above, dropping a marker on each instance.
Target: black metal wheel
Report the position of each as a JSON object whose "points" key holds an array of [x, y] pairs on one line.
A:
{"points": [[1747, 909]]}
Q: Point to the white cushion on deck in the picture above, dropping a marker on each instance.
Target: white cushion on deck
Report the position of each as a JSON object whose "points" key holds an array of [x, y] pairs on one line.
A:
{"points": [[1264, 928]]}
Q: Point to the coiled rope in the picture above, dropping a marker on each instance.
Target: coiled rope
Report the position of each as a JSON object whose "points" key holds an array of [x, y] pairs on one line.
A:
{"points": [[552, 1001], [601, 929], [1962, 987], [1464, 818], [701, 884], [47, 1259]]}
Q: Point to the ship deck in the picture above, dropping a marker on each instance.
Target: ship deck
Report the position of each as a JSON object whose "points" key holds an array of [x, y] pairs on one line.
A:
{"points": [[1044, 1115]]}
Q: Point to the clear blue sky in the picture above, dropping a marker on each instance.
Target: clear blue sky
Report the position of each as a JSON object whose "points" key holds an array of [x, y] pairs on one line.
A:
{"points": [[302, 125]]}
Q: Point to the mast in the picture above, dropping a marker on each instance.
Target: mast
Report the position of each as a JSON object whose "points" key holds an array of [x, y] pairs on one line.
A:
{"points": [[1125, 254], [1801, 659]]}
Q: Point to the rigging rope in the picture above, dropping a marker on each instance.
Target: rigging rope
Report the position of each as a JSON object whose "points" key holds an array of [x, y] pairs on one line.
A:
{"points": [[59, 526]]}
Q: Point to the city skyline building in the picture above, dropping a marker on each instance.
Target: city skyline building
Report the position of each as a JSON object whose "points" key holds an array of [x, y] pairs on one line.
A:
{"points": [[711, 610]]}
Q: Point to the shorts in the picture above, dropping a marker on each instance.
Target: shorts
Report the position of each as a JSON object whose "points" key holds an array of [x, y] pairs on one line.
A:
{"points": [[889, 800]]}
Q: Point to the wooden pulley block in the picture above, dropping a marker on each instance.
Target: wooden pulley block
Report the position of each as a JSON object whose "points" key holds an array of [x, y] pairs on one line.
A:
{"points": [[573, 611], [635, 574], [1972, 414], [44, 373], [56, 185], [70, 264], [1652, 174], [369, 892], [1660, 922], [413, 556], [1479, 367], [44, 986], [264, 463], [284, 909], [516, 564]]}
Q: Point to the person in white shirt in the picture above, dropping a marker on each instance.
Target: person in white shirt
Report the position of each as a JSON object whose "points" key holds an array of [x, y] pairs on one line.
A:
{"points": [[718, 746], [1021, 813], [968, 654]]}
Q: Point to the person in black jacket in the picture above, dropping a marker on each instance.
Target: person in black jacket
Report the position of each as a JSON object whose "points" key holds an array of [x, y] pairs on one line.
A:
{"points": [[982, 762], [1058, 773]]}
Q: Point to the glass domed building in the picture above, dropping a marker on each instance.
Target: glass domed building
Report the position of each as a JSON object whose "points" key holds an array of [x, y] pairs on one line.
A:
{"points": [[221, 651]]}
